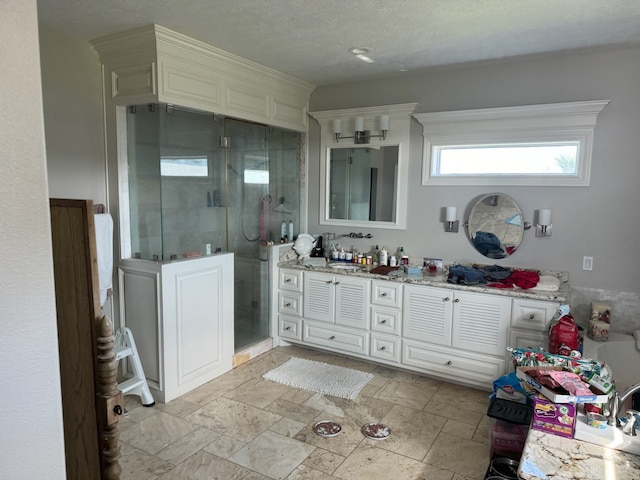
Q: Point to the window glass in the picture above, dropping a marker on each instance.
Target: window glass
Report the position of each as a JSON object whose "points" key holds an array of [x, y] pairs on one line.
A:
{"points": [[184, 166]]}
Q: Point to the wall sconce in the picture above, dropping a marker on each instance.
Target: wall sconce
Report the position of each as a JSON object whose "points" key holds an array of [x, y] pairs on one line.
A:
{"points": [[361, 135], [451, 220], [543, 226]]}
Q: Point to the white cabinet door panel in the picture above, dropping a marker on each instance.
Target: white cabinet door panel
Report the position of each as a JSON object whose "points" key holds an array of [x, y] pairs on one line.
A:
{"points": [[427, 314], [319, 296], [352, 302]]}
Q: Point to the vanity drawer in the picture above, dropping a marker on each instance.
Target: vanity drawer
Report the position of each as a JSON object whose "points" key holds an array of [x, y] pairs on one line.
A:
{"points": [[532, 314], [290, 327], [387, 294], [528, 339], [452, 364], [336, 338], [384, 347], [289, 302], [385, 320], [290, 280]]}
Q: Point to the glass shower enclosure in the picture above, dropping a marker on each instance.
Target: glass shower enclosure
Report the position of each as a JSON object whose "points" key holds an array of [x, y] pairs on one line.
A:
{"points": [[200, 183]]}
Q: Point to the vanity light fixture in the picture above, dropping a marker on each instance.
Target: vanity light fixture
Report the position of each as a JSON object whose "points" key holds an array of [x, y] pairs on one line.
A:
{"points": [[451, 219], [361, 135], [543, 226]]}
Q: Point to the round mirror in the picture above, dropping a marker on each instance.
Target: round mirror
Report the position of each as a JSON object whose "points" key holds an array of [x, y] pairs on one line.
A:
{"points": [[495, 225]]}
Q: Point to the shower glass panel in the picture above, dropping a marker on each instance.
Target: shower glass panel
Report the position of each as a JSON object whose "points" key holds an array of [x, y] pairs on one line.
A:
{"points": [[187, 194]]}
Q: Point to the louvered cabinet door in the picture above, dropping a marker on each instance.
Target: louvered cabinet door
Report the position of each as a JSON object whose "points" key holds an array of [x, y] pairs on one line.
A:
{"points": [[481, 323], [427, 314], [319, 296], [352, 302]]}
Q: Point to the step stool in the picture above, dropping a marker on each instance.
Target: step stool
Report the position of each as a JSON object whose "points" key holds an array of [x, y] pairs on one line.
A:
{"points": [[125, 346]]}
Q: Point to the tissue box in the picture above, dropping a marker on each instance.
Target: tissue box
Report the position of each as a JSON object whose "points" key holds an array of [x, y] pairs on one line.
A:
{"points": [[556, 418], [412, 270]]}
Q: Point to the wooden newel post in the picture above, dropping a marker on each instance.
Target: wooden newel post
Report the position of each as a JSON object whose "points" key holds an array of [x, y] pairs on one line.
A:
{"points": [[109, 400]]}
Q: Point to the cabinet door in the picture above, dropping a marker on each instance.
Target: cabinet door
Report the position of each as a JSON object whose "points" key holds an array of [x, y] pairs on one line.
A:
{"points": [[427, 314], [481, 322], [319, 296], [352, 302]]}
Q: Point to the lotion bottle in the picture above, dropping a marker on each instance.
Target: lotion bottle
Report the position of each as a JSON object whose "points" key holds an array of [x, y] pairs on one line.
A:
{"points": [[383, 256]]}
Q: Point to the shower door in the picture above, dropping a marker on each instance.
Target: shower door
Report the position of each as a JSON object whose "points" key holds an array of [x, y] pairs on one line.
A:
{"points": [[262, 174]]}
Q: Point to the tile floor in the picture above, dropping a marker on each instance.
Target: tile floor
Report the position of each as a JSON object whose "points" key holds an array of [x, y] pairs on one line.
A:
{"points": [[241, 427]]}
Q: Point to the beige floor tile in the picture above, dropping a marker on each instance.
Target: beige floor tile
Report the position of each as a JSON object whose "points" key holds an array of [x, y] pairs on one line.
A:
{"points": [[156, 432], [463, 398], [370, 462], [178, 407], [287, 427], [258, 392], [293, 410], [363, 409], [296, 395], [459, 455], [234, 419], [303, 472], [409, 394], [434, 473], [483, 430], [224, 446], [139, 465], [323, 460], [412, 431], [205, 466], [460, 429], [188, 445], [273, 455], [215, 388], [449, 409]]}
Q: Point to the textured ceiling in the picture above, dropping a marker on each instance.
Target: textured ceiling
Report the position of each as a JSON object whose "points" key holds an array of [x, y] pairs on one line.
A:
{"points": [[309, 39]]}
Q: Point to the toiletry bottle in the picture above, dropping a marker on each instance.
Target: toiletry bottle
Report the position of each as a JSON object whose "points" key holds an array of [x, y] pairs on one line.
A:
{"points": [[283, 232], [376, 256], [393, 261], [383, 256], [290, 231], [404, 258]]}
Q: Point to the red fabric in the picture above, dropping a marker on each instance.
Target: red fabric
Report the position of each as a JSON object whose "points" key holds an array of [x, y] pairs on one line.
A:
{"points": [[519, 278]]}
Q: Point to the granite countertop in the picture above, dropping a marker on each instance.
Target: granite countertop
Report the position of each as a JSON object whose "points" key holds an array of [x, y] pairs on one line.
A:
{"points": [[550, 457], [440, 280]]}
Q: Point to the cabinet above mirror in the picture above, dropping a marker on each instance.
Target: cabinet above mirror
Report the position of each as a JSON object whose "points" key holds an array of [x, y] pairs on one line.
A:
{"points": [[364, 172]]}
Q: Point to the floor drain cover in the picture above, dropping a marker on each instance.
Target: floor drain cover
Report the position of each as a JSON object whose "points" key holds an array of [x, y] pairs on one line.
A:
{"points": [[376, 431], [327, 428]]}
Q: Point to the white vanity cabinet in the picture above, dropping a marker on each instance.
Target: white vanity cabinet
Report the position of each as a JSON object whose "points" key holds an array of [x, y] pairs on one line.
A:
{"points": [[455, 334], [290, 304], [181, 316], [386, 321], [529, 322]]}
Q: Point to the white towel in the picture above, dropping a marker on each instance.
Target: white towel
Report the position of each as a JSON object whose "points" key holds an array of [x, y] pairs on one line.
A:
{"points": [[104, 247], [547, 283]]}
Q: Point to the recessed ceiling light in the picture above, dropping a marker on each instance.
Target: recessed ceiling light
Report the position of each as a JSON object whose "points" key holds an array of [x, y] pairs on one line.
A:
{"points": [[362, 53]]}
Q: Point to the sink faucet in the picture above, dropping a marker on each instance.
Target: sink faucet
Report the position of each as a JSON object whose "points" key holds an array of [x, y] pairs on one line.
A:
{"points": [[615, 404]]}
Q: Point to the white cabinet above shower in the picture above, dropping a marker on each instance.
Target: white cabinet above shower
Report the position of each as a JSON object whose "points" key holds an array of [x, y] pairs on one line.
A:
{"points": [[181, 315]]}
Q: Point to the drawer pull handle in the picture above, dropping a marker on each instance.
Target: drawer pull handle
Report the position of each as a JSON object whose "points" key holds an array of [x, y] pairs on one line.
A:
{"points": [[449, 363], [288, 280], [332, 337], [383, 348], [384, 294], [383, 321], [457, 300], [336, 283], [287, 328], [446, 299], [288, 304], [532, 316]]}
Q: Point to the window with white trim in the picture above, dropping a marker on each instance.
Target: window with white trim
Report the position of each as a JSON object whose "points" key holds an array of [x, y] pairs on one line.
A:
{"points": [[527, 145]]}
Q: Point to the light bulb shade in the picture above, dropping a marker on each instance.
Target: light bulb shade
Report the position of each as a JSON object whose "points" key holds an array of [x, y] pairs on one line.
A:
{"points": [[384, 122], [337, 126], [359, 124], [544, 216], [451, 214]]}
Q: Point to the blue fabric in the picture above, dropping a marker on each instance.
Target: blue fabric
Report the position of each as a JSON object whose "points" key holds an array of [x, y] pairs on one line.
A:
{"points": [[488, 245], [464, 275]]}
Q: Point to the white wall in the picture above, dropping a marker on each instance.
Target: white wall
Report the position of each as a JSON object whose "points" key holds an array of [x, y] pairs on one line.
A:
{"points": [[31, 437], [601, 220], [72, 96]]}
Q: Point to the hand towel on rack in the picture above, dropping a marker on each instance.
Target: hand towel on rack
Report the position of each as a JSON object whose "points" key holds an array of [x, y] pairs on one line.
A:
{"points": [[104, 248]]}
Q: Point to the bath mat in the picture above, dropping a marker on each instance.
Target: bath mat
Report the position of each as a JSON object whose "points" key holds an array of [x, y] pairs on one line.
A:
{"points": [[319, 377]]}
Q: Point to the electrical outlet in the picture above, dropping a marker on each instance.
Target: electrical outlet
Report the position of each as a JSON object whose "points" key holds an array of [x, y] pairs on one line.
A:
{"points": [[587, 263]]}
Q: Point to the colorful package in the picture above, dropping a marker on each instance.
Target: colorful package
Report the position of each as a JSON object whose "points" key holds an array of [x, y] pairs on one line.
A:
{"points": [[549, 417]]}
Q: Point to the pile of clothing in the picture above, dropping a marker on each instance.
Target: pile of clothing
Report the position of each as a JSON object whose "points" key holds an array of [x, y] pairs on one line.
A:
{"points": [[492, 276]]}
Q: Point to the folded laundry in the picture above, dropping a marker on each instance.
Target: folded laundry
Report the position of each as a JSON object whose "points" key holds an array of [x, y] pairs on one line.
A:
{"points": [[519, 278], [465, 275]]}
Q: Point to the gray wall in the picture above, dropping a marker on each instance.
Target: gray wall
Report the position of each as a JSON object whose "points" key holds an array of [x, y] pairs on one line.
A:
{"points": [[31, 439], [601, 220]]}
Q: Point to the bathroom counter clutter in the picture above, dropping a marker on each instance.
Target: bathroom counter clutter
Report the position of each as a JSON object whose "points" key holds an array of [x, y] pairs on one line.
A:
{"points": [[547, 456], [438, 280]]}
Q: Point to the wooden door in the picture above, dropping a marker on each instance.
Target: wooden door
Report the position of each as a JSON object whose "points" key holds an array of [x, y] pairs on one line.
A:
{"points": [[90, 400]]}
